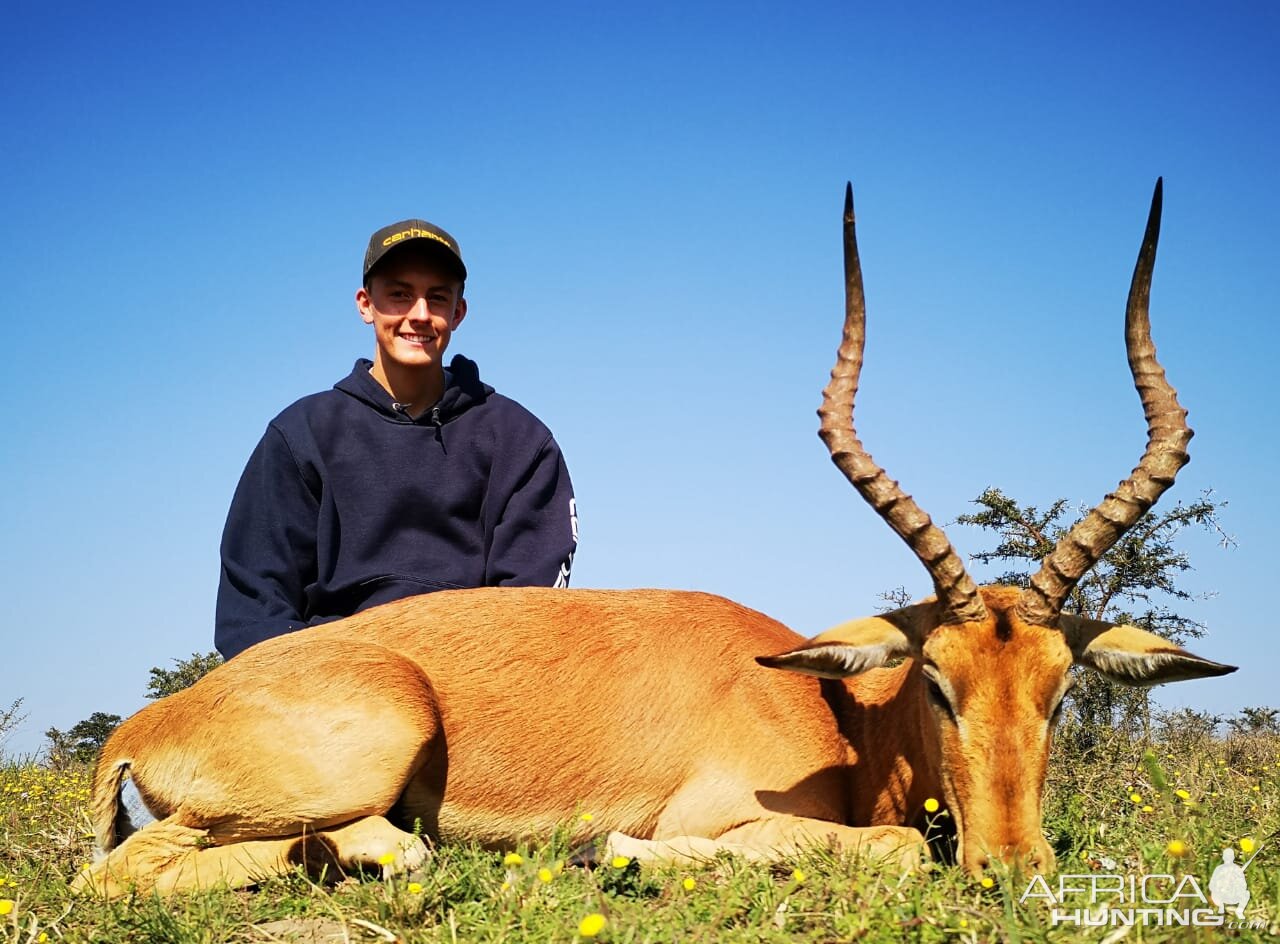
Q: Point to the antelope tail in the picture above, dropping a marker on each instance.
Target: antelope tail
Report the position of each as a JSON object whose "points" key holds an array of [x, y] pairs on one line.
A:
{"points": [[104, 801]]}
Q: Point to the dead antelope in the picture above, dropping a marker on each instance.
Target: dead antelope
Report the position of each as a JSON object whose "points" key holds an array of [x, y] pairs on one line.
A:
{"points": [[497, 714]]}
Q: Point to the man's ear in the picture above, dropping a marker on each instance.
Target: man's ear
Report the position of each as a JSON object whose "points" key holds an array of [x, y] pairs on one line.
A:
{"points": [[459, 313], [1133, 656], [364, 305], [858, 645]]}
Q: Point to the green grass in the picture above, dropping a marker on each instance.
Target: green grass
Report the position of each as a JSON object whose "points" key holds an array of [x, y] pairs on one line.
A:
{"points": [[1232, 792]]}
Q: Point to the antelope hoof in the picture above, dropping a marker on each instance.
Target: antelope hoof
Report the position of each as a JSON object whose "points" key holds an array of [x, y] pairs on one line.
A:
{"points": [[902, 846], [586, 856], [410, 856], [620, 844]]}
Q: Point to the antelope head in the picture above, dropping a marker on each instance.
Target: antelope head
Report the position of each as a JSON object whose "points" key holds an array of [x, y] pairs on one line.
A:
{"points": [[986, 668]]}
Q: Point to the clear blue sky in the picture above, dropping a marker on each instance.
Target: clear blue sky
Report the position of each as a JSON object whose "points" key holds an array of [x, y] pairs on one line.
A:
{"points": [[648, 201]]}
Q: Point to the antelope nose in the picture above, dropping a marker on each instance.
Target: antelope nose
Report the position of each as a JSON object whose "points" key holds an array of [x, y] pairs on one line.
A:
{"points": [[1037, 858], [1041, 859]]}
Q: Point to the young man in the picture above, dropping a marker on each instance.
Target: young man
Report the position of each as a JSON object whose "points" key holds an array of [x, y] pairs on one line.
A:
{"points": [[406, 477]]}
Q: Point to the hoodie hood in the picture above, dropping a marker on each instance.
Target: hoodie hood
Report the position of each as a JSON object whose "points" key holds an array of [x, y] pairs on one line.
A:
{"points": [[463, 389]]}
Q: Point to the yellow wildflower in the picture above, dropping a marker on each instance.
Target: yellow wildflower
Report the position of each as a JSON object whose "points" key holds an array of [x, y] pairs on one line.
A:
{"points": [[6, 905], [586, 817], [1148, 809], [798, 876], [987, 881], [513, 858], [1246, 845], [689, 884], [1135, 797], [415, 888], [964, 922], [505, 886], [386, 858], [1182, 794], [620, 862], [931, 805], [1176, 848], [544, 875], [592, 924]]}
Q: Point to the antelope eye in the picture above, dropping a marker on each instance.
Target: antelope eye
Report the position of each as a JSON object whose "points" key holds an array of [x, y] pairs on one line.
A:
{"points": [[937, 694], [1062, 700]]}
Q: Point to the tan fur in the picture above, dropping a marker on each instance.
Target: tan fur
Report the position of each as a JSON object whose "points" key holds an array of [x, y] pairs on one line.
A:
{"points": [[643, 708], [995, 755], [104, 803], [985, 756], [166, 857], [766, 840], [250, 751], [496, 715]]}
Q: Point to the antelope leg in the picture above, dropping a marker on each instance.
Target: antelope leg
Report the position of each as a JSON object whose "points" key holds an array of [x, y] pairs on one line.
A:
{"points": [[769, 839]]}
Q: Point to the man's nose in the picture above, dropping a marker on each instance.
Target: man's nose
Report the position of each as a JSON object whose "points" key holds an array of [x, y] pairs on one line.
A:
{"points": [[420, 311]]}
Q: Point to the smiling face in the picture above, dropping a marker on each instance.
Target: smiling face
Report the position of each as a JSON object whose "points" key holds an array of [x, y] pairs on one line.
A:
{"points": [[414, 303]]}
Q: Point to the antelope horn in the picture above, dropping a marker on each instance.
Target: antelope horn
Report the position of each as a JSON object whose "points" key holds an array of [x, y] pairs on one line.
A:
{"points": [[957, 593], [1167, 437]]}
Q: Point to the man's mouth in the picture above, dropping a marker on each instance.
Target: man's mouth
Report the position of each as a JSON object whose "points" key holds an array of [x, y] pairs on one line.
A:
{"points": [[418, 338]]}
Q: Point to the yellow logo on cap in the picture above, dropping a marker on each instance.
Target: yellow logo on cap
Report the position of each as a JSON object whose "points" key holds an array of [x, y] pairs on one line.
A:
{"points": [[414, 233]]}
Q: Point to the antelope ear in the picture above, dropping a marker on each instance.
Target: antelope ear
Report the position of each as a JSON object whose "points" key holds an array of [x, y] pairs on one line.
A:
{"points": [[1133, 656], [858, 645]]}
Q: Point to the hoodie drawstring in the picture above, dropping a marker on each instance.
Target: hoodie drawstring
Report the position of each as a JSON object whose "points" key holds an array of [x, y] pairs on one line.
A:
{"points": [[436, 422]]}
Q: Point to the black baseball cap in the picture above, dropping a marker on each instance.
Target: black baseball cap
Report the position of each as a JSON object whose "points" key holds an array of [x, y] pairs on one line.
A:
{"points": [[420, 234]]}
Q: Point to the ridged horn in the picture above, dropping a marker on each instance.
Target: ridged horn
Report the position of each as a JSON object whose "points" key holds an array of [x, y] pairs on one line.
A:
{"points": [[957, 593], [1167, 438]]}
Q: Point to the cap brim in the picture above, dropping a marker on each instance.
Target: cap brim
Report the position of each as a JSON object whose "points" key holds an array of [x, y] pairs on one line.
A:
{"points": [[430, 249]]}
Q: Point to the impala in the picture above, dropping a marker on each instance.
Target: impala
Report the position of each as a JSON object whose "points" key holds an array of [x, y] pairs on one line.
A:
{"points": [[494, 715]]}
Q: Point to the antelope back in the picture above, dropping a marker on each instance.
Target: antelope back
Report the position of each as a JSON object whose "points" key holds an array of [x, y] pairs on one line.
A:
{"points": [[643, 707]]}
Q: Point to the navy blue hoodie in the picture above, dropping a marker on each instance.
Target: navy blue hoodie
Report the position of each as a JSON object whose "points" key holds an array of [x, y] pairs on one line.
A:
{"points": [[347, 502]]}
